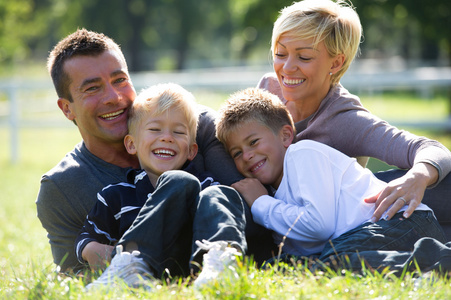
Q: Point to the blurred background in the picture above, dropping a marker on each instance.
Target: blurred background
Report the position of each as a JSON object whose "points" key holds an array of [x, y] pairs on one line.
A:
{"points": [[216, 47]]}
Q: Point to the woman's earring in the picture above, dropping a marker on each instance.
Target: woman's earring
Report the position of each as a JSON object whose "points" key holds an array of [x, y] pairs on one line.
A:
{"points": [[330, 73]]}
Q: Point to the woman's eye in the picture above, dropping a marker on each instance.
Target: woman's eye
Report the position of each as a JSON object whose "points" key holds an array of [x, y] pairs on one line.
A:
{"points": [[304, 58]]}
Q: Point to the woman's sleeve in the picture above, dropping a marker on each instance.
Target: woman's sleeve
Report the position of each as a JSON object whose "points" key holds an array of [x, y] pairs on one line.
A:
{"points": [[367, 135]]}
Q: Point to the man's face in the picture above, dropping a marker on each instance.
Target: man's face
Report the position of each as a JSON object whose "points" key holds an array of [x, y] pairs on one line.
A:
{"points": [[102, 92]]}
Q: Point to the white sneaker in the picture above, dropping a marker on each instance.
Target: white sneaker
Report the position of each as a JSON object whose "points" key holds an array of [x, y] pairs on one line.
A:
{"points": [[125, 267], [218, 257]]}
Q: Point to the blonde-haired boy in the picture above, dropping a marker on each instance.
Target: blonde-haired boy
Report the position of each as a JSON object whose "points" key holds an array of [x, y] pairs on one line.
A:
{"points": [[157, 216], [319, 191]]}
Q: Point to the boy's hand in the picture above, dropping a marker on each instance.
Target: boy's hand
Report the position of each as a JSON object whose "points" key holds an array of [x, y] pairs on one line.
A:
{"points": [[97, 255], [250, 189]]}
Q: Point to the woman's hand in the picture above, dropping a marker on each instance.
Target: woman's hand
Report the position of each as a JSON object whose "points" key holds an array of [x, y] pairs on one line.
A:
{"points": [[408, 189], [250, 189]]}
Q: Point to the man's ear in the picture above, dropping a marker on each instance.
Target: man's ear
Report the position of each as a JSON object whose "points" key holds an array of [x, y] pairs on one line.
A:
{"points": [[287, 135], [65, 106], [192, 152], [130, 144]]}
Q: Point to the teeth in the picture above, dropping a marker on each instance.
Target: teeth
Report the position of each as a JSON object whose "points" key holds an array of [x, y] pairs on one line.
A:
{"points": [[164, 152], [257, 166], [293, 81], [112, 115]]}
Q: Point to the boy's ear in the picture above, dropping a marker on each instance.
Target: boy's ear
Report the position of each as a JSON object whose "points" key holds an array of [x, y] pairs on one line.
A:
{"points": [[192, 152], [65, 106], [287, 135], [130, 144]]}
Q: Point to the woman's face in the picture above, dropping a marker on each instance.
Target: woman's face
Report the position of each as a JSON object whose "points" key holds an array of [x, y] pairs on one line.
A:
{"points": [[303, 71]]}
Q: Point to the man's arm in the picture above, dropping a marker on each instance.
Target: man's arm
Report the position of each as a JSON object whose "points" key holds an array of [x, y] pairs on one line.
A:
{"points": [[57, 218], [215, 158]]}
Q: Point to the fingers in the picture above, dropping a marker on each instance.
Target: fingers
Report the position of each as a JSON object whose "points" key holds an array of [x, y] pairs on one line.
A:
{"points": [[396, 204], [372, 199]]}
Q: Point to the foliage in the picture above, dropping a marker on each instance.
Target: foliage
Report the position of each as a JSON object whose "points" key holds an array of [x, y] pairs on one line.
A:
{"points": [[178, 34]]}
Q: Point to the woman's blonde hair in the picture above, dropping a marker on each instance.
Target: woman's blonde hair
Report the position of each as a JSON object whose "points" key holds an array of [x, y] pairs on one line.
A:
{"points": [[158, 99], [334, 23]]}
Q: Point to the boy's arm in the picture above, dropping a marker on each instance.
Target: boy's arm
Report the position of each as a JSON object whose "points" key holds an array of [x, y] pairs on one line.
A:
{"points": [[304, 202], [251, 189], [97, 255], [100, 232]]}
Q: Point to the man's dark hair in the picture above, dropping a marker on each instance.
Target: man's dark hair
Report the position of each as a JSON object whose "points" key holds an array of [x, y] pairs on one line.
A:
{"points": [[81, 42]]}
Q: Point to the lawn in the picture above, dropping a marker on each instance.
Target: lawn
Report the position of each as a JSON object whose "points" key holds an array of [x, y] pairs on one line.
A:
{"points": [[26, 267]]}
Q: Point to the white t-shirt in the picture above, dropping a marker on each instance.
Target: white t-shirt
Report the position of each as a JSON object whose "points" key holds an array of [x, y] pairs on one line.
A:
{"points": [[319, 198]]}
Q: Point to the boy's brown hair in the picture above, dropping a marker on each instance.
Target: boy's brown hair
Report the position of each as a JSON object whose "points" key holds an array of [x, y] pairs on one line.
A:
{"points": [[251, 105]]}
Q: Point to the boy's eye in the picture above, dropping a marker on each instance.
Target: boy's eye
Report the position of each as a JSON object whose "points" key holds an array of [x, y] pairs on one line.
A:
{"points": [[154, 129], [253, 142], [236, 154], [179, 132]]}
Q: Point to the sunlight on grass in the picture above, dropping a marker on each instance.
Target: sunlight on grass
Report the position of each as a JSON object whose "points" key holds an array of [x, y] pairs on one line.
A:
{"points": [[27, 271]]}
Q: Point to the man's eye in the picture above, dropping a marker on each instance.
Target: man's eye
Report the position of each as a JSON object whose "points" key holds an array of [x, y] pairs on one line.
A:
{"points": [[92, 88]]}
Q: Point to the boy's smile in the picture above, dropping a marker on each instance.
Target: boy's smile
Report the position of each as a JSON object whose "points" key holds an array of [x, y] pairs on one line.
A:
{"points": [[258, 152], [162, 143]]}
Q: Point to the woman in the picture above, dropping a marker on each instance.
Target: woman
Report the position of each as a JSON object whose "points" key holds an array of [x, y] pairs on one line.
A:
{"points": [[313, 44]]}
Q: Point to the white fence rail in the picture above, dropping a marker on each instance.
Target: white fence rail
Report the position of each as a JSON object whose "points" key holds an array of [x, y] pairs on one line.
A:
{"points": [[21, 100]]}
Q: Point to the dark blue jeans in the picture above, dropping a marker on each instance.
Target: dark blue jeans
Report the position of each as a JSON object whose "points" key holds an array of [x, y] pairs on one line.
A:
{"points": [[438, 198], [177, 214], [398, 234], [428, 254]]}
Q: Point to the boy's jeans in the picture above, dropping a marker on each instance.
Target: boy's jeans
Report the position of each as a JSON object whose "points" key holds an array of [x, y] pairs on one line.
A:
{"points": [[177, 214], [398, 234], [437, 198]]}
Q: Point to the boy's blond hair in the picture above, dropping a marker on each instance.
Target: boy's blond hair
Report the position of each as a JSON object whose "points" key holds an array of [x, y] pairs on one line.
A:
{"points": [[251, 105], [334, 23], [158, 99]]}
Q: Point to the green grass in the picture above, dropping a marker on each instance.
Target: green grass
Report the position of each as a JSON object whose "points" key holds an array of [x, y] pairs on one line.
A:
{"points": [[27, 271]]}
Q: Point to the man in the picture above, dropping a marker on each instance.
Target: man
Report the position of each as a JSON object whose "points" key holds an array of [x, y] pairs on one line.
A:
{"points": [[94, 91]]}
